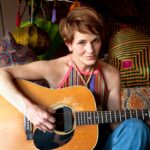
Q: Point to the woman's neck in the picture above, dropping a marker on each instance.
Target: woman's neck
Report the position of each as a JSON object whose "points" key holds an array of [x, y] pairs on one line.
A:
{"points": [[82, 67]]}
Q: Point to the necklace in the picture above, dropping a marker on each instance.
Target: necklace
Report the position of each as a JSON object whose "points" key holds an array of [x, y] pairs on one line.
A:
{"points": [[83, 80]]}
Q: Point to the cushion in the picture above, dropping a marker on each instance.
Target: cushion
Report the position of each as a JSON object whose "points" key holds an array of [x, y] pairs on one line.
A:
{"points": [[12, 53], [135, 98], [129, 51], [33, 37]]}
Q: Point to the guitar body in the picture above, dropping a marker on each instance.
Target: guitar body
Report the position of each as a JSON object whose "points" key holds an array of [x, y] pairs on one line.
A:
{"points": [[78, 98]]}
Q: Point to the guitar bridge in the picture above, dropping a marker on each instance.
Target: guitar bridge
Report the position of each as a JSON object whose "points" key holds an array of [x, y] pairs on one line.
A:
{"points": [[28, 129]]}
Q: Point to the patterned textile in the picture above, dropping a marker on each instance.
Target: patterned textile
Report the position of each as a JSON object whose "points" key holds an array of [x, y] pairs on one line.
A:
{"points": [[129, 51], [135, 98], [11, 53]]}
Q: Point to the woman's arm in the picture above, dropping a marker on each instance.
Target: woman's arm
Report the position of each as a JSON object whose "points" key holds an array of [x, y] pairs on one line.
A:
{"points": [[112, 76], [41, 117]]}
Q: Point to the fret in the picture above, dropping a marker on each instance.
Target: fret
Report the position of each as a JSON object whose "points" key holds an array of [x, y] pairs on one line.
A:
{"points": [[94, 117], [142, 115], [136, 114], [125, 114], [97, 116], [120, 115], [139, 114], [106, 116], [133, 113], [145, 114], [84, 118], [78, 118], [90, 118], [87, 118], [81, 118], [106, 120], [110, 116], [102, 117], [130, 114], [115, 116]]}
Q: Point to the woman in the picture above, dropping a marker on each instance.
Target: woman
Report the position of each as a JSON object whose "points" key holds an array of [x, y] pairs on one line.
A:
{"points": [[82, 31]]}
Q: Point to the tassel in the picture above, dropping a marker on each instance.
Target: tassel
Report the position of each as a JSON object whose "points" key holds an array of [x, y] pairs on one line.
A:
{"points": [[18, 14], [53, 15], [18, 18], [74, 5]]}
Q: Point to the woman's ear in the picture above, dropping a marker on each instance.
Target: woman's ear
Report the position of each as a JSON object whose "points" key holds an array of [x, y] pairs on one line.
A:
{"points": [[69, 45]]}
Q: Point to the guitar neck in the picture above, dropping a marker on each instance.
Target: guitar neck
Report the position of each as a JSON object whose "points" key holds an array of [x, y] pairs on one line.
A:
{"points": [[100, 117]]}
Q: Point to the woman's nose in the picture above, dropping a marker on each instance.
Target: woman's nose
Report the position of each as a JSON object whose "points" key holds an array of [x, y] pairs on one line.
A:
{"points": [[89, 48]]}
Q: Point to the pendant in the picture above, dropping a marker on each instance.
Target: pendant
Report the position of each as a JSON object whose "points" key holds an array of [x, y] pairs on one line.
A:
{"points": [[86, 85]]}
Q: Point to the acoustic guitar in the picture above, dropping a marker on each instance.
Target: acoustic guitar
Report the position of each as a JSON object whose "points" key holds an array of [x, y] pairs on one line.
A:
{"points": [[76, 115]]}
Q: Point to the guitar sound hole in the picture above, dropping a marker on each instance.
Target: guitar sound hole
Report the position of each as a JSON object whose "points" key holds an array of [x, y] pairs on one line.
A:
{"points": [[52, 140], [64, 119]]}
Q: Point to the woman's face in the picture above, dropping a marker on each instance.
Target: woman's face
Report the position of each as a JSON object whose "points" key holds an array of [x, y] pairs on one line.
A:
{"points": [[85, 49]]}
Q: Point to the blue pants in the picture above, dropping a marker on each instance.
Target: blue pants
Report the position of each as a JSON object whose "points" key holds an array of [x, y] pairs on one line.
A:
{"points": [[131, 134]]}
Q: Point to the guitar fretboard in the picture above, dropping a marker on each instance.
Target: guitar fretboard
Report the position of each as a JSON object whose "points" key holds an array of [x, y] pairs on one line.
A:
{"points": [[97, 117]]}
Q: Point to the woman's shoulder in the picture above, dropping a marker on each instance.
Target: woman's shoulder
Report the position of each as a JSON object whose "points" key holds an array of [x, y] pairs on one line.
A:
{"points": [[111, 74], [55, 69], [108, 69], [54, 63]]}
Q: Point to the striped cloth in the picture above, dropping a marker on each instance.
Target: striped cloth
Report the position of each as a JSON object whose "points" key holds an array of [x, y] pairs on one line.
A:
{"points": [[129, 51]]}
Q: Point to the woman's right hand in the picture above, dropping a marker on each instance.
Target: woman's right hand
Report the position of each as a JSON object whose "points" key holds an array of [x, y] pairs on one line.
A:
{"points": [[41, 117]]}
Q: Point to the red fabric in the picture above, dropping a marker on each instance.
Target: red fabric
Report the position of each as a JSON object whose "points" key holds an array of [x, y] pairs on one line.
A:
{"points": [[18, 19]]}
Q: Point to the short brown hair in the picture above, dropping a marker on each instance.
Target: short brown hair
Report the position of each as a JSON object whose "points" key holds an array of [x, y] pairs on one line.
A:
{"points": [[83, 19]]}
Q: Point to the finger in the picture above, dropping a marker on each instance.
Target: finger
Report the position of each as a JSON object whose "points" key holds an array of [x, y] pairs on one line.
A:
{"points": [[48, 117], [45, 127], [52, 111], [49, 126], [42, 128], [51, 119]]}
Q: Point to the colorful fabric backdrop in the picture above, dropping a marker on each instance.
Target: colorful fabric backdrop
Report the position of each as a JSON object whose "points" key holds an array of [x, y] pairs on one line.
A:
{"points": [[135, 98], [12, 53], [129, 51]]}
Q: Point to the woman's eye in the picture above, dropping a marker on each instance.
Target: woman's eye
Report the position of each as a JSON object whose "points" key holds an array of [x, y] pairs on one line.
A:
{"points": [[96, 40], [82, 43]]}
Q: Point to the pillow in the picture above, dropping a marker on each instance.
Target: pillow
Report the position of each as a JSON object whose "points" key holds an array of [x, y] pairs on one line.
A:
{"points": [[135, 98], [33, 37], [12, 53], [129, 51]]}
